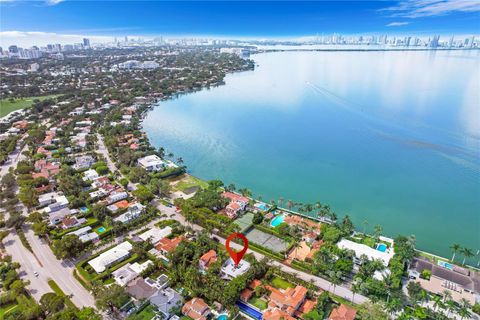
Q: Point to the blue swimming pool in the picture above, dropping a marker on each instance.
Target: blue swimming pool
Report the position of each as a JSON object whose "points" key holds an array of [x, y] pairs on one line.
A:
{"points": [[245, 308], [382, 247], [83, 209], [445, 264], [222, 317], [278, 220], [101, 229], [261, 206]]}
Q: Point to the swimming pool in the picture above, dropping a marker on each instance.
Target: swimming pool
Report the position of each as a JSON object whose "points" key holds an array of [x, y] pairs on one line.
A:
{"points": [[382, 247], [261, 206], [445, 264], [101, 230], [278, 220], [83, 209], [223, 316]]}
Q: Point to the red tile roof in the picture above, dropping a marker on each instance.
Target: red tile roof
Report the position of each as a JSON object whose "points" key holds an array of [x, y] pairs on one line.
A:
{"points": [[343, 313], [168, 245], [208, 258]]}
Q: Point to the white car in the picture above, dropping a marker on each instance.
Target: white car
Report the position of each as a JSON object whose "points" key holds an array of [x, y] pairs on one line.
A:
{"points": [[36, 274]]}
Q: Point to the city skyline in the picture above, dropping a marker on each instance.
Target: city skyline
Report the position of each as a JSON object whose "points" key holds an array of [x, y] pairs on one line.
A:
{"points": [[38, 23]]}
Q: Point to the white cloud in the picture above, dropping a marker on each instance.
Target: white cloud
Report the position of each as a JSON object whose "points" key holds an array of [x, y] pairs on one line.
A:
{"points": [[429, 8], [28, 38], [53, 2], [397, 24]]}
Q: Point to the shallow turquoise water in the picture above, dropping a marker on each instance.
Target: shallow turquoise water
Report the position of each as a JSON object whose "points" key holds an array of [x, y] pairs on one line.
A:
{"points": [[388, 137]]}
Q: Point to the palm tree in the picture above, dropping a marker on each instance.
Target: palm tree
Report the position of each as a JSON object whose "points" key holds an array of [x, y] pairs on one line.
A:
{"points": [[455, 248], [450, 307], [447, 295], [464, 312], [365, 224], [437, 302], [280, 201], [467, 253], [335, 278], [289, 204], [378, 231], [394, 305], [161, 152], [180, 160]]}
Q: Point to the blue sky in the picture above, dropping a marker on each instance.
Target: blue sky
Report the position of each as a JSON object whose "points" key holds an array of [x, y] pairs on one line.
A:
{"points": [[250, 19]]}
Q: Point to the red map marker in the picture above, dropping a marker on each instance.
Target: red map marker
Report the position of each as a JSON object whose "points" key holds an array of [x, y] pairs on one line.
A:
{"points": [[236, 256]]}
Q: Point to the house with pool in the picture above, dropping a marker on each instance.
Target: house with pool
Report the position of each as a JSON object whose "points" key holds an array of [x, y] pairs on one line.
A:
{"points": [[237, 204], [381, 252]]}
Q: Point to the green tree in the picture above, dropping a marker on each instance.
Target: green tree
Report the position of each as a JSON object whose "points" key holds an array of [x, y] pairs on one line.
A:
{"points": [[51, 303], [257, 218], [111, 298], [143, 194], [69, 246], [455, 249], [467, 253]]}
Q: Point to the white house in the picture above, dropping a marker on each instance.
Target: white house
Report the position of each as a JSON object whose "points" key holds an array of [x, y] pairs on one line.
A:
{"points": [[90, 175], [230, 270], [361, 249], [116, 196], [110, 257], [151, 163], [133, 211], [156, 234]]}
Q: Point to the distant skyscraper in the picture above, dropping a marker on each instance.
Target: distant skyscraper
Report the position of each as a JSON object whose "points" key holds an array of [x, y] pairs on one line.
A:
{"points": [[126, 39], [86, 43], [450, 43], [13, 49], [471, 43], [407, 41]]}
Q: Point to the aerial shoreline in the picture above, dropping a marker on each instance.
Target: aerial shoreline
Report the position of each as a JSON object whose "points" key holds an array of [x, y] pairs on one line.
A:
{"points": [[159, 101]]}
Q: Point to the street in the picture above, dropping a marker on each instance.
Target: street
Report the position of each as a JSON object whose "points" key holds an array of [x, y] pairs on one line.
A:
{"points": [[319, 282]]}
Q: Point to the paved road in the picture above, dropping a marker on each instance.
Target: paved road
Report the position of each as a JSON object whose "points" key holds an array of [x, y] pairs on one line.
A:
{"points": [[47, 267], [319, 282], [13, 158], [103, 150]]}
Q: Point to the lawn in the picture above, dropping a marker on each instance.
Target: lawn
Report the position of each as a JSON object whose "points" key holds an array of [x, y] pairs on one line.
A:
{"points": [[146, 314], [7, 308], [60, 292], [188, 182], [280, 283], [6, 106], [259, 303]]}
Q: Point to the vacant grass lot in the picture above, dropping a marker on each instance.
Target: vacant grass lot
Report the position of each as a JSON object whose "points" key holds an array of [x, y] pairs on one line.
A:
{"points": [[6, 106]]}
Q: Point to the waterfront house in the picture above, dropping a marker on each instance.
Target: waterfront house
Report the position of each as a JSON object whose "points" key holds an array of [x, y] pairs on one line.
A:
{"points": [[152, 163], [371, 253], [460, 282], [196, 309], [207, 260], [237, 204]]}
